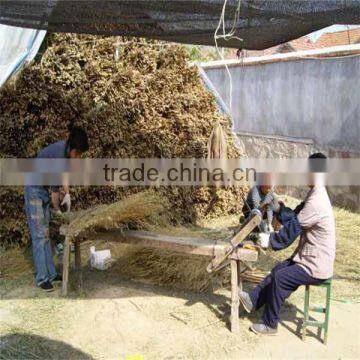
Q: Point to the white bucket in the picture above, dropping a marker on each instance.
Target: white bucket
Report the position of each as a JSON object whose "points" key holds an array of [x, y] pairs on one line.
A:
{"points": [[101, 259]]}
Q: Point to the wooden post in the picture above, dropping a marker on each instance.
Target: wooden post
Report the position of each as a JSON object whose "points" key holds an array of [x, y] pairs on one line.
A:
{"points": [[240, 285], [234, 317], [78, 263], [245, 229], [66, 262]]}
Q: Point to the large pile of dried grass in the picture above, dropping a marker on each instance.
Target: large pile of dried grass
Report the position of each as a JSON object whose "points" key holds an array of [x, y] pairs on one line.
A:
{"points": [[148, 102]]}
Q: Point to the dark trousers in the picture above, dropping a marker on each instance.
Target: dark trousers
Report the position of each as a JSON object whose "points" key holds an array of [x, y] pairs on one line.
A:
{"points": [[283, 280]]}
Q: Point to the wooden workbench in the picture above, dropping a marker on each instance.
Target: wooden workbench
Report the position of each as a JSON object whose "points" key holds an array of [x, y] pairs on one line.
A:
{"points": [[192, 246]]}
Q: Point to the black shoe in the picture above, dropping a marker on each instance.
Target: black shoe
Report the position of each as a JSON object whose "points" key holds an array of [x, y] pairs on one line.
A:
{"points": [[46, 286], [57, 278]]}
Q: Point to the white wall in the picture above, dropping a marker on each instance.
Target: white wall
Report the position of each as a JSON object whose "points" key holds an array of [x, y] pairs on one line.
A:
{"points": [[310, 98]]}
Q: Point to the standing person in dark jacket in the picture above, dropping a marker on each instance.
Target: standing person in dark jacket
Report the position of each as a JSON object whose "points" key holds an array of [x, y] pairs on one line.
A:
{"points": [[311, 263], [37, 205]]}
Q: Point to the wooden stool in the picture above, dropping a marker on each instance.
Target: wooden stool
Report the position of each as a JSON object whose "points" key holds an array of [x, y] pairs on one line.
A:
{"points": [[325, 310]]}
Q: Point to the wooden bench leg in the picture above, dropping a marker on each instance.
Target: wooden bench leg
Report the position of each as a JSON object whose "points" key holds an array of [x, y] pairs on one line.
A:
{"points": [[240, 285], [234, 317], [78, 263], [66, 262]]}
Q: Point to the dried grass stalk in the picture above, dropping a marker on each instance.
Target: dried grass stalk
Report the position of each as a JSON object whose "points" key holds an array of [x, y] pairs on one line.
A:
{"points": [[217, 144], [167, 268]]}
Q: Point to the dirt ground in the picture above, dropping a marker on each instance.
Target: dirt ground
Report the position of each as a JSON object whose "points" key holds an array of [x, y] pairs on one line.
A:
{"points": [[124, 316], [115, 318]]}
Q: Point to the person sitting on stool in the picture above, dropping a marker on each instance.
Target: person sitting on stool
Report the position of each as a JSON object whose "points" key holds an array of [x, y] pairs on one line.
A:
{"points": [[311, 263]]}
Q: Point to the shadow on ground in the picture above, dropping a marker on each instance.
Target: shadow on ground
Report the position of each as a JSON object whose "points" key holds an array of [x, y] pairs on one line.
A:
{"points": [[110, 284], [292, 320], [25, 346]]}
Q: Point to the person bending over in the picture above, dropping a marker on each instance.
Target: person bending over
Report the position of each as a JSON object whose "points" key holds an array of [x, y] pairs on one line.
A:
{"points": [[37, 206]]}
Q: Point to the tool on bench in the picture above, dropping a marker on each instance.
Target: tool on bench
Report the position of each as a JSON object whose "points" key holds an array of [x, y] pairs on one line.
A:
{"points": [[244, 230], [249, 246], [260, 208], [243, 246], [253, 246], [249, 208]]}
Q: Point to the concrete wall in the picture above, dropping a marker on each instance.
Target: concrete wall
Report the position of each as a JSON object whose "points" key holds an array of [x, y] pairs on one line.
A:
{"points": [[311, 98], [274, 147]]}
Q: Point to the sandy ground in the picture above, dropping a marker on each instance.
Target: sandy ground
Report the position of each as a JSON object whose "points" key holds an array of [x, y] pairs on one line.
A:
{"points": [[114, 317], [124, 316]]}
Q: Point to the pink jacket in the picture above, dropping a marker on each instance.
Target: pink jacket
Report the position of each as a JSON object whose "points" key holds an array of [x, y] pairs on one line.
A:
{"points": [[316, 249]]}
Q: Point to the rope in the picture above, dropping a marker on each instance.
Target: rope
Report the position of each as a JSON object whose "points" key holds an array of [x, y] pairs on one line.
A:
{"points": [[227, 36]]}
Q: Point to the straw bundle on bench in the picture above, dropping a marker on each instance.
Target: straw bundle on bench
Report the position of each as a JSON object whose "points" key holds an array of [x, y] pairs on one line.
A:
{"points": [[133, 210]]}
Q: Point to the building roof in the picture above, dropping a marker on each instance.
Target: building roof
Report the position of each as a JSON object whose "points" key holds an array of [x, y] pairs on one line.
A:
{"points": [[344, 37], [351, 36]]}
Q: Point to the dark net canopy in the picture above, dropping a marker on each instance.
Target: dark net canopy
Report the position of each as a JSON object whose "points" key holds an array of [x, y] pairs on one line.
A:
{"points": [[261, 24]]}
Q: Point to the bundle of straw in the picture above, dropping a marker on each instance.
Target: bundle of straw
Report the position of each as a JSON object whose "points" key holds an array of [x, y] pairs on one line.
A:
{"points": [[167, 268], [135, 209]]}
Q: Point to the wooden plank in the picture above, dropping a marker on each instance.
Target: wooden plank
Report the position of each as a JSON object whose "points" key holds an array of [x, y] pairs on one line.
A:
{"points": [[256, 279], [234, 317], [245, 255], [66, 263], [249, 225], [189, 245]]}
